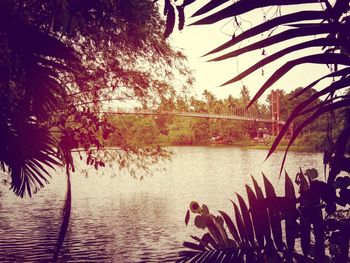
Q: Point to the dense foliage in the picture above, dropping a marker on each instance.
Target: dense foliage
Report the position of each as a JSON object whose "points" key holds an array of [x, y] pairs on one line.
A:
{"points": [[60, 61], [269, 228], [167, 129]]}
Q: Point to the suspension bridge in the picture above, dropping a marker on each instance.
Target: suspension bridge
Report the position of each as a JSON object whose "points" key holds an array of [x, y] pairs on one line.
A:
{"points": [[244, 117]]}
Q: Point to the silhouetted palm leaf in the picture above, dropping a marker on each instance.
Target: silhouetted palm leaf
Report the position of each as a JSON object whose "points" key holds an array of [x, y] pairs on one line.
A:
{"points": [[217, 255], [30, 149], [312, 43], [327, 108], [316, 59], [339, 73], [262, 215], [259, 222], [294, 17], [337, 85], [291, 214], [240, 225], [240, 7], [28, 152], [247, 220], [274, 214], [170, 21], [284, 36], [231, 226]]}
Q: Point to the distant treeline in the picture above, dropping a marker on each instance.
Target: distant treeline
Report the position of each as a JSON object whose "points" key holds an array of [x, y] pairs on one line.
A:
{"points": [[174, 130]]}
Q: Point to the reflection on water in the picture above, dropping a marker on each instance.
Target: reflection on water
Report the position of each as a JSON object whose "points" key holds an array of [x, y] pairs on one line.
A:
{"points": [[119, 219]]}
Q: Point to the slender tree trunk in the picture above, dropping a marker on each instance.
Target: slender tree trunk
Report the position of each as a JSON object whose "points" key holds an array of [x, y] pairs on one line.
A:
{"points": [[65, 217]]}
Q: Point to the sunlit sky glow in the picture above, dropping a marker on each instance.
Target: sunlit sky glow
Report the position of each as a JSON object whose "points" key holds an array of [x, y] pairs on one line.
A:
{"points": [[195, 41]]}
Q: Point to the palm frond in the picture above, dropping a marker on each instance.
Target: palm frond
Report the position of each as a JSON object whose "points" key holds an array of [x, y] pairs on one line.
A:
{"points": [[281, 20], [281, 37], [327, 108], [246, 219], [315, 59], [28, 163], [241, 7], [307, 44], [253, 224]]}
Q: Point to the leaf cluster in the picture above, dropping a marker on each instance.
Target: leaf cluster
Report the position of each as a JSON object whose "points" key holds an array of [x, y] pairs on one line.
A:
{"points": [[60, 63], [269, 228]]}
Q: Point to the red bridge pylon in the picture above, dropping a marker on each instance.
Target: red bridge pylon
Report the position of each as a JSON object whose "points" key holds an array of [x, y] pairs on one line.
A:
{"points": [[275, 111]]}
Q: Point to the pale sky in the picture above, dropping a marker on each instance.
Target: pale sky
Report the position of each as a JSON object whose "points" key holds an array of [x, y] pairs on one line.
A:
{"points": [[195, 41]]}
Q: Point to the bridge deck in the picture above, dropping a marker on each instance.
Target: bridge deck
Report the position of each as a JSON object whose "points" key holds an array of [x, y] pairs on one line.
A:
{"points": [[195, 115]]}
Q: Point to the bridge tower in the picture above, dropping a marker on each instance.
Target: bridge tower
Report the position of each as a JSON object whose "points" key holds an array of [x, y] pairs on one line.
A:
{"points": [[275, 111]]}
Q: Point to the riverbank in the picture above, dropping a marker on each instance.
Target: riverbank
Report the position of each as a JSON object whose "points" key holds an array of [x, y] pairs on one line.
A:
{"points": [[281, 147], [250, 144]]}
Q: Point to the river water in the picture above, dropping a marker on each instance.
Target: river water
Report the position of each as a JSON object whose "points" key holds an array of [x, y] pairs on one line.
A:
{"points": [[116, 218]]}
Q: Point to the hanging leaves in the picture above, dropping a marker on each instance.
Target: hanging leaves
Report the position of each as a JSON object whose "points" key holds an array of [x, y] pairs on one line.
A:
{"points": [[181, 16], [170, 21]]}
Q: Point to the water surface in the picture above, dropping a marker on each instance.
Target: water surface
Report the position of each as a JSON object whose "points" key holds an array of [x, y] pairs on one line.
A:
{"points": [[118, 219]]}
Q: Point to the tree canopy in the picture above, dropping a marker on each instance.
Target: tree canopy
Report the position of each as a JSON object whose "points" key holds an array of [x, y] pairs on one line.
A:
{"points": [[60, 62]]}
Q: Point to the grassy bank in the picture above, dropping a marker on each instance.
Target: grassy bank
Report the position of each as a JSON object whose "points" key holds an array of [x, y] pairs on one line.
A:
{"points": [[249, 144]]}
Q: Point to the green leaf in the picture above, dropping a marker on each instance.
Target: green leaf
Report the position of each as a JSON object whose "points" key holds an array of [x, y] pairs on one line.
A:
{"points": [[246, 219], [258, 191], [193, 246], [312, 174], [240, 225], [231, 227], [200, 222], [187, 217], [305, 230], [275, 218], [290, 214], [260, 219], [214, 231], [266, 223], [289, 187]]}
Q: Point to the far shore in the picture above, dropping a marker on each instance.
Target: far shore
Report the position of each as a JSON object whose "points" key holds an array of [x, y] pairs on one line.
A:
{"points": [[248, 144]]}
